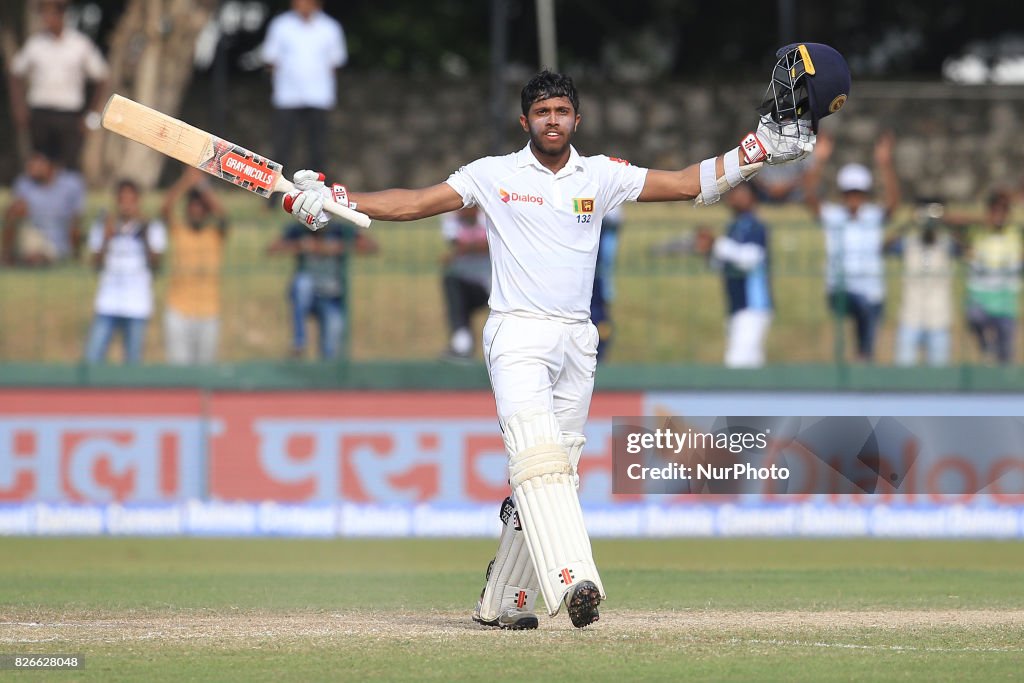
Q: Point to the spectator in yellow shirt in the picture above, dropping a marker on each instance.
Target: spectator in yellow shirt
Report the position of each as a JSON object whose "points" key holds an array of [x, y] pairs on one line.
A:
{"points": [[192, 315]]}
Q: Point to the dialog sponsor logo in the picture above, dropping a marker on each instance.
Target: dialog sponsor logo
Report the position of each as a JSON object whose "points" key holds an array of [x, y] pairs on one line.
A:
{"points": [[516, 197]]}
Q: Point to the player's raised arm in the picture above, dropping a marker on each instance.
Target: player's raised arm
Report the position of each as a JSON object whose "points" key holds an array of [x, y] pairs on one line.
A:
{"points": [[812, 178], [408, 205], [306, 203], [809, 82], [707, 180]]}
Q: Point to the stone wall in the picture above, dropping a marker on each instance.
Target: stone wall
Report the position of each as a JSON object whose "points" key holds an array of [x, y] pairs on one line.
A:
{"points": [[952, 141]]}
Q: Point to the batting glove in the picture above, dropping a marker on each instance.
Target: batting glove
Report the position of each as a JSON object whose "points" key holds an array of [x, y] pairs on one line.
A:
{"points": [[773, 143], [306, 202]]}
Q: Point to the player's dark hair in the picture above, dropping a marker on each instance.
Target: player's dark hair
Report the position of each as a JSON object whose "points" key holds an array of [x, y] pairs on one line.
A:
{"points": [[548, 84]]}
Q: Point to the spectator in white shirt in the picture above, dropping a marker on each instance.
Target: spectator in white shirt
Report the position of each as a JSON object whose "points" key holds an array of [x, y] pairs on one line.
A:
{"points": [[126, 249], [303, 49], [49, 78], [854, 237], [467, 275]]}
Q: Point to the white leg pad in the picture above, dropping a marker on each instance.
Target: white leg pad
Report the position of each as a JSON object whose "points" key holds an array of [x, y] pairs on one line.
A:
{"points": [[549, 508], [511, 580]]}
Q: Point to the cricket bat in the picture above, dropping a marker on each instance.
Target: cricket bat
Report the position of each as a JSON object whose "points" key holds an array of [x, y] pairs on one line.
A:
{"points": [[207, 152]]}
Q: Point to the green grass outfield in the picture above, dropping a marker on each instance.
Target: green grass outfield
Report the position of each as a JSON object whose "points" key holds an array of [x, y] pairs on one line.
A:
{"points": [[742, 610]]}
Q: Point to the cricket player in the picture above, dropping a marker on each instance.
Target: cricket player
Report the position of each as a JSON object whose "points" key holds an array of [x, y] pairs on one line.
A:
{"points": [[544, 205]]}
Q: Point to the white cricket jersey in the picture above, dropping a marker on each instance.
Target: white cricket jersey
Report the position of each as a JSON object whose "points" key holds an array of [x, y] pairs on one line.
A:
{"points": [[543, 228]]}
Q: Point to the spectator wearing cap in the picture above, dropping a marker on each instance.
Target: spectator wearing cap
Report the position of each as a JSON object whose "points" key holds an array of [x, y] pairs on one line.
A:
{"points": [[855, 237], [42, 224], [48, 85]]}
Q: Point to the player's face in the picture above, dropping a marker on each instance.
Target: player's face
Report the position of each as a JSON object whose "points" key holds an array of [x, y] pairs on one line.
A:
{"points": [[551, 124]]}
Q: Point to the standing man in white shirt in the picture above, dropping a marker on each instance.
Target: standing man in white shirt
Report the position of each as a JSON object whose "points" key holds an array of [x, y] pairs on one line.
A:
{"points": [[303, 49], [48, 88], [544, 206]]}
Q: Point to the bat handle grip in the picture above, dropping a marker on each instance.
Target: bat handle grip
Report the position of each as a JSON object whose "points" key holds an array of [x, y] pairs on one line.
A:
{"points": [[345, 213], [330, 206]]}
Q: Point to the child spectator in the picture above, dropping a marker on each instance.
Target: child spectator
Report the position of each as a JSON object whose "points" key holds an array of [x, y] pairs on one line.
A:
{"points": [[854, 238], [929, 249], [192, 314], [994, 258], [742, 255], [126, 249], [318, 286]]}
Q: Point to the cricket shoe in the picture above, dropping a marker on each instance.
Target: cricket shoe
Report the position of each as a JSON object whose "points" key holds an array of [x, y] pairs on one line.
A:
{"points": [[511, 619], [582, 604]]}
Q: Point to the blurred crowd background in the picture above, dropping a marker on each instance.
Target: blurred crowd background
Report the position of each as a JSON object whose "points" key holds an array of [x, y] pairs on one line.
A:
{"points": [[897, 243]]}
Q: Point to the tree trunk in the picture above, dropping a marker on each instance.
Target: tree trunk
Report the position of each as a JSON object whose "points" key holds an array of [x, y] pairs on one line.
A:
{"points": [[150, 59], [15, 16]]}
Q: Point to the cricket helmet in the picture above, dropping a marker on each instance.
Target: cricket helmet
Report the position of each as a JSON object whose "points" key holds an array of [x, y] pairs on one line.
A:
{"points": [[809, 81]]}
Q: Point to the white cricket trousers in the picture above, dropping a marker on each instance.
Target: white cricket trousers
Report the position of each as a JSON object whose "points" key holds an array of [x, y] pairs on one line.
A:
{"points": [[539, 362]]}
